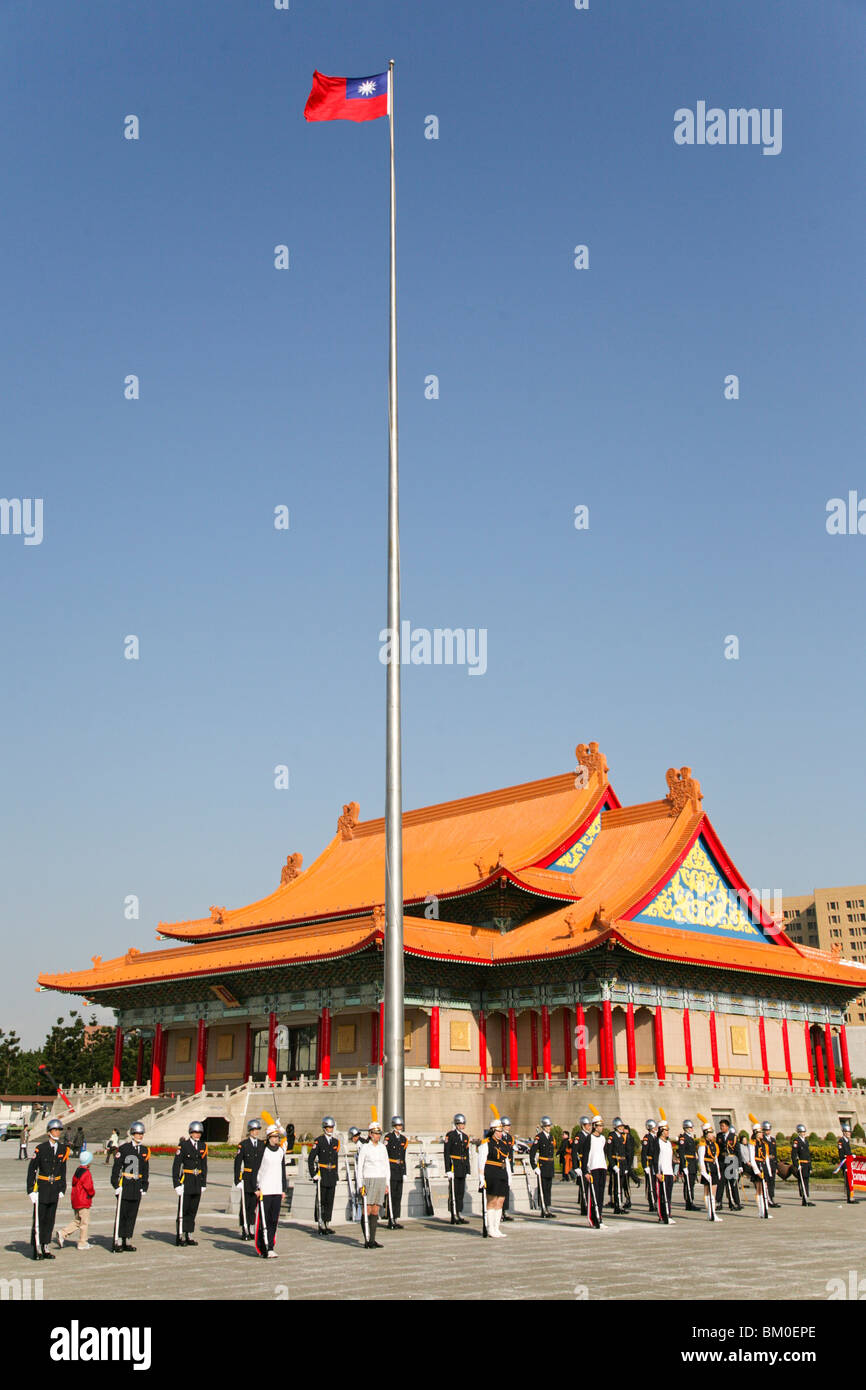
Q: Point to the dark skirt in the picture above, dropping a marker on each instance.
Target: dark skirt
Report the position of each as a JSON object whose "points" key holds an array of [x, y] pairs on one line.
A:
{"points": [[497, 1182]]}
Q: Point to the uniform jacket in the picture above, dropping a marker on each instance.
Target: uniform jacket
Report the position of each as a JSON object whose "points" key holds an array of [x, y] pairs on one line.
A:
{"points": [[134, 1166], [687, 1151], [189, 1168], [497, 1152], [396, 1145], [646, 1151], [843, 1148], [457, 1152], [257, 1163], [46, 1172], [615, 1150], [709, 1158], [542, 1152], [579, 1146], [324, 1159], [247, 1152], [800, 1151]]}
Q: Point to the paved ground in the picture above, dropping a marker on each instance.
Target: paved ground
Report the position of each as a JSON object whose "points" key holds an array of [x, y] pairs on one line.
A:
{"points": [[794, 1256]]}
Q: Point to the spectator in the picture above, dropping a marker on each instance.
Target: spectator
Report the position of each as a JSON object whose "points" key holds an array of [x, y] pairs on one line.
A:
{"points": [[82, 1196], [111, 1145], [22, 1142]]}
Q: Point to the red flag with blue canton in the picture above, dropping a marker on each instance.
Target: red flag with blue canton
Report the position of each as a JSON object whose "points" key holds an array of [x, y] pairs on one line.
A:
{"points": [[347, 98]]}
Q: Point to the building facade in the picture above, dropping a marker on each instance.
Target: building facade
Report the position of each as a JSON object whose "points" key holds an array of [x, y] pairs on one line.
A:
{"points": [[832, 920]]}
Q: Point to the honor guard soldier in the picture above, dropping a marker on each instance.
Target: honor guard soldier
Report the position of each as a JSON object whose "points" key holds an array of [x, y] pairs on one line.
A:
{"points": [[269, 1176], [46, 1184], [646, 1145], [843, 1149], [801, 1161], [130, 1177], [396, 1144], [542, 1154], [495, 1178], [710, 1169], [628, 1139], [248, 1155], [594, 1161], [663, 1163], [564, 1155], [189, 1180], [508, 1138], [578, 1148], [729, 1162], [757, 1164], [457, 1162], [616, 1163], [687, 1152], [771, 1164], [324, 1166]]}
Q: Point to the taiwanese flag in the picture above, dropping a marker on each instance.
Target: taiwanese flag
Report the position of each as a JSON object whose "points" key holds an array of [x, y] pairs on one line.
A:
{"points": [[347, 98]]}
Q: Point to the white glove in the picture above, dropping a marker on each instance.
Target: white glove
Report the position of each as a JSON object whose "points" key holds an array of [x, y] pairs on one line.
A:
{"points": [[117, 1193], [204, 1189], [178, 1191], [60, 1197], [239, 1185], [34, 1197]]}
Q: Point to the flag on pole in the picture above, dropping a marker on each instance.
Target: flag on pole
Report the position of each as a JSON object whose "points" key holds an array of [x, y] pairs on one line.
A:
{"points": [[347, 98]]}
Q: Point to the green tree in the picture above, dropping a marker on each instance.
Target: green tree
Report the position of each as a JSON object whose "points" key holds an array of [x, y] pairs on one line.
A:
{"points": [[10, 1051]]}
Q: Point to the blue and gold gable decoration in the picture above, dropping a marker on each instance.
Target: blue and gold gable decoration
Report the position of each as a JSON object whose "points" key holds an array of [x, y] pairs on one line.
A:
{"points": [[568, 862], [698, 898]]}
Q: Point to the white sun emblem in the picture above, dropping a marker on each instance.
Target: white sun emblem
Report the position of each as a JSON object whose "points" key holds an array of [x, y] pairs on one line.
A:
{"points": [[366, 89]]}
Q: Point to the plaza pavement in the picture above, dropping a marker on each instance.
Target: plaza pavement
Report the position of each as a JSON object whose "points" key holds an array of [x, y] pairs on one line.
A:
{"points": [[794, 1256]]}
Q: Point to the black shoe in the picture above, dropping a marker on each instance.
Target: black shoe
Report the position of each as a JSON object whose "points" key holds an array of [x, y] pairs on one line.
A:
{"points": [[178, 1240], [552, 1215], [189, 1241], [808, 1204], [390, 1226], [374, 1245], [462, 1221], [775, 1204], [116, 1249], [127, 1249], [36, 1255], [47, 1255], [396, 1226], [507, 1218]]}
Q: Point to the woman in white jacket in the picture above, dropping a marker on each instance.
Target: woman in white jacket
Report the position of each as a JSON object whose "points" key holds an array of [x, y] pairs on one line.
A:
{"points": [[373, 1172]]}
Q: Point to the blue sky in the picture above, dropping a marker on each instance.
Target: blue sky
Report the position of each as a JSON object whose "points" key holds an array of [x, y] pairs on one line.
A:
{"points": [[558, 388]]}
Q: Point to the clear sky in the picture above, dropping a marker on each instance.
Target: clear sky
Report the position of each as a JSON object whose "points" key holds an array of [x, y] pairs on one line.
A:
{"points": [[558, 388]]}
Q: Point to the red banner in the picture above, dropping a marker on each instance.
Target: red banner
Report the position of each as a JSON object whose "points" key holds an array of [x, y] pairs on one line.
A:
{"points": [[856, 1174]]}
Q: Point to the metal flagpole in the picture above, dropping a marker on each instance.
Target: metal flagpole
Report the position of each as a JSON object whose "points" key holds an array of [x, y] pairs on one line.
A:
{"points": [[393, 1023]]}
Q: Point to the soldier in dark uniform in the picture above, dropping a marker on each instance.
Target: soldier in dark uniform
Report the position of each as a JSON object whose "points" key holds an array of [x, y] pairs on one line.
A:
{"points": [[563, 1153], [729, 1164], [687, 1152], [542, 1154], [709, 1168], [494, 1178], [770, 1165], [579, 1145], [130, 1177], [801, 1161], [843, 1149], [189, 1180], [646, 1145], [594, 1161], [628, 1139], [508, 1138], [246, 1162], [323, 1163], [396, 1144], [615, 1150], [46, 1183], [457, 1162]]}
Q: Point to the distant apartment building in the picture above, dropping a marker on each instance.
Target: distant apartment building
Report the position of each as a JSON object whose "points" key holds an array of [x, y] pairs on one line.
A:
{"points": [[832, 919]]}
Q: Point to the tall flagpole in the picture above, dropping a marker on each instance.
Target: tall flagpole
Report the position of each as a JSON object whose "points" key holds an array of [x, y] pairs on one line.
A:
{"points": [[393, 1080]]}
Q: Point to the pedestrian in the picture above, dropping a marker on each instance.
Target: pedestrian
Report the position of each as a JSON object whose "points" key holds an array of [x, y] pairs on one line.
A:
{"points": [[616, 1162], [457, 1163], [81, 1199], [46, 1184], [594, 1161], [494, 1179], [189, 1180], [687, 1152], [130, 1178], [710, 1168], [23, 1141], [269, 1174], [757, 1165], [801, 1161], [646, 1144], [579, 1146], [628, 1140], [563, 1153], [843, 1149], [396, 1144], [771, 1162], [78, 1142], [508, 1138], [110, 1146], [247, 1158], [323, 1164], [373, 1172], [663, 1163], [542, 1155], [729, 1167]]}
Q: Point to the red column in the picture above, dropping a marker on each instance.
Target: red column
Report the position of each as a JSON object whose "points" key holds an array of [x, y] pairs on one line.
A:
{"points": [[248, 1053], [566, 1041], [831, 1060], [156, 1072], [762, 1038], [631, 1052], [807, 1030], [787, 1049], [533, 1043], [581, 1044], [374, 1038], [660, 1044], [846, 1065], [200, 1056], [325, 1067], [272, 1048], [687, 1040], [434, 1038], [163, 1053], [482, 1046], [512, 1045], [714, 1047], [610, 1067], [545, 1042], [118, 1057], [139, 1061], [819, 1063], [503, 1021], [381, 1032], [602, 1046]]}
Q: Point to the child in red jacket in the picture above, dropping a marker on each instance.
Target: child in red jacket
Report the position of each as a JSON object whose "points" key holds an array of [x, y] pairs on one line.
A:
{"points": [[81, 1198]]}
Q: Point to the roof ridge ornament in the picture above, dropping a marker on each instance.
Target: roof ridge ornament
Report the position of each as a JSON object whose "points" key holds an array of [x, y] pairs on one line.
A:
{"points": [[590, 763], [217, 914], [379, 917], [292, 868], [348, 820], [683, 789]]}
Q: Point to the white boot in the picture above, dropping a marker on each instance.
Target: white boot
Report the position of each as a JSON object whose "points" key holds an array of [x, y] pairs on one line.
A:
{"points": [[493, 1224], [499, 1230]]}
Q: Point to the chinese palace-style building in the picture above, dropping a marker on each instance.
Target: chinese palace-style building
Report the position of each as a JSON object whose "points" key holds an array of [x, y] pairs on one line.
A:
{"points": [[548, 930]]}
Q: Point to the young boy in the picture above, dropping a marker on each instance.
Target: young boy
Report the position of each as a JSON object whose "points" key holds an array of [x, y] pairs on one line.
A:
{"points": [[81, 1198]]}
